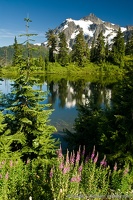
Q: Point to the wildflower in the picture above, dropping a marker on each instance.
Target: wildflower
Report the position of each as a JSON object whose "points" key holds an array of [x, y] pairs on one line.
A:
{"points": [[67, 157], [3, 162], [78, 157], [66, 169], [61, 166], [103, 162], [115, 166], [51, 173], [80, 168], [76, 179], [11, 163], [72, 158], [59, 152], [96, 158], [0, 176], [93, 153], [6, 176], [126, 170]]}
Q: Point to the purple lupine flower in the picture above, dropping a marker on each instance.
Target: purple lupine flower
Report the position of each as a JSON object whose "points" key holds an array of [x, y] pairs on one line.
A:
{"points": [[11, 163], [61, 165], [0, 176], [80, 168], [66, 169], [126, 170], [115, 166], [59, 152], [103, 162], [6, 176], [96, 158], [51, 173], [72, 159], [93, 153], [3, 162], [76, 179], [78, 156], [67, 157]]}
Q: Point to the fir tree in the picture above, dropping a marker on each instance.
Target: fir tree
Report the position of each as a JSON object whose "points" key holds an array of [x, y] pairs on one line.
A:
{"points": [[93, 52], [17, 56], [129, 46], [79, 50], [118, 49], [63, 50], [28, 121], [100, 49], [52, 42], [27, 118]]}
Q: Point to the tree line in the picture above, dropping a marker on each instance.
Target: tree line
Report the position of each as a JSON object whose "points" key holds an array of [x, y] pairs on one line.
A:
{"points": [[99, 52]]}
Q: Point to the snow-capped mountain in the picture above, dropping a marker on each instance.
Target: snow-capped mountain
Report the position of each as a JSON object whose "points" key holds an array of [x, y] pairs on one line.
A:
{"points": [[91, 26]]}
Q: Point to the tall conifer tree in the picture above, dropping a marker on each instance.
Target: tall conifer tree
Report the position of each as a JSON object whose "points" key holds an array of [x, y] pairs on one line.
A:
{"points": [[100, 48], [63, 50], [52, 42], [79, 50], [118, 49], [28, 119]]}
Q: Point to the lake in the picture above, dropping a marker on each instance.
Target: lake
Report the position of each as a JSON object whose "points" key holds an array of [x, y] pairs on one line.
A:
{"points": [[65, 95]]}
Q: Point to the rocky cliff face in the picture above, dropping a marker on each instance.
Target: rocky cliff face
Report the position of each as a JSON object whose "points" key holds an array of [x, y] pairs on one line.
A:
{"points": [[91, 27]]}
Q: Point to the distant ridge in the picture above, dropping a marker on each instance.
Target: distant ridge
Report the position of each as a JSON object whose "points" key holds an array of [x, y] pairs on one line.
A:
{"points": [[91, 26]]}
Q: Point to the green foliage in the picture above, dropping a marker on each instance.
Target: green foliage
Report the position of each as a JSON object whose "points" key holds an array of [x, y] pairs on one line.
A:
{"points": [[17, 57], [63, 50], [129, 46], [118, 49], [100, 49], [79, 51], [52, 40], [28, 120]]}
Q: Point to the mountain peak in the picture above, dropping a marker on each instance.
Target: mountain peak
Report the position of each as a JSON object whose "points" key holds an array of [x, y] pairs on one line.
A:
{"points": [[93, 18]]}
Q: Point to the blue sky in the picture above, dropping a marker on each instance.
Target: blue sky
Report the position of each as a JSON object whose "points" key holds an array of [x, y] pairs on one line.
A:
{"points": [[48, 14]]}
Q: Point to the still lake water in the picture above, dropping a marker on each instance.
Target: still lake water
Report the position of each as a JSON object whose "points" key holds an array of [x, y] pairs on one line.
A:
{"points": [[64, 97]]}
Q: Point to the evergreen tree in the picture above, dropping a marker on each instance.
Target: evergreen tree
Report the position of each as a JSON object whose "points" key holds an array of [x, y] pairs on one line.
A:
{"points": [[129, 46], [118, 49], [100, 49], [79, 54], [93, 52], [28, 35], [28, 121], [52, 42], [63, 50], [27, 118], [107, 52], [17, 56]]}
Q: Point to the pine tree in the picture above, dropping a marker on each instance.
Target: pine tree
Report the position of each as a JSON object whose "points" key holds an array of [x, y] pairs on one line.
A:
{"points": [[100, 49], [27, 117], [17, 56], [52, 42], [63, 50], [129, 46], [28, 35], [93, 52], [79, 50], [118, 49], [28, 121]]}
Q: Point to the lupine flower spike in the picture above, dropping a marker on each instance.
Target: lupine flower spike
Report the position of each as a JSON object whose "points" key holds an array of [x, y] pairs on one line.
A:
{"points": [[93, 153]]}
